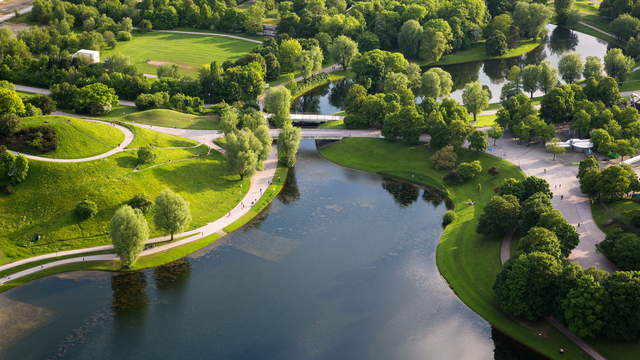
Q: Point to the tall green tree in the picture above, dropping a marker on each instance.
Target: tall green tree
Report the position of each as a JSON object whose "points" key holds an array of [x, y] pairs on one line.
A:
{"points": [[343, 49], [478, 140], [570, 67], [10, 102], [172, 213], [129, 231], [288, 143], [475, 98], [278, 102], [586, 307], [617, 65], [499, 216]]}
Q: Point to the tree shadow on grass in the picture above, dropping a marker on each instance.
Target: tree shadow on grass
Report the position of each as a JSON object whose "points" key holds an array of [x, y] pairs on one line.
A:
{"points": [[195, 177]]}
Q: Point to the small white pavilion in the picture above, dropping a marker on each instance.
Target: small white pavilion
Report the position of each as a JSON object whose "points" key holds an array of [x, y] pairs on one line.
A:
{"points": [[92, 55]]}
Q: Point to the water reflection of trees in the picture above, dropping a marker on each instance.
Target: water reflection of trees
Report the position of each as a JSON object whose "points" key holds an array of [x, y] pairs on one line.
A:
{"points": [[172, 275], [403, 193], [339, 92], [433, 196], [497, 70], [129, 292], [290, 192], [464, 73], [508, 349], [562, 40], [535, 56]]}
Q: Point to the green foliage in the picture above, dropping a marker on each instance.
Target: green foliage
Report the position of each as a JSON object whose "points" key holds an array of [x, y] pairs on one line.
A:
{"points": [[475, 98], [147, 155], [570, 67], [623, 249], [448, 217], [172, 213], [243, 153], [500, 216], [496, 44], [343, 49], [86, 209], [469, 170], [288, 142], [478, 140], [10, 102], [129, 231], [624, 290], [9, 124], [142, 202], [278, 102], [527, 285], [95, 99], [586, 307], [541, 240], [617, 65], [445, 158]]}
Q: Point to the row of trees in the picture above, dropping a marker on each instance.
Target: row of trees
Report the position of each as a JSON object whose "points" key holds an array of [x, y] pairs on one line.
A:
{"points": [[129, 229]]}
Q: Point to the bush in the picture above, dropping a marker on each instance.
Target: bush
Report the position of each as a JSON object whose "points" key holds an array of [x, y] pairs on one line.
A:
{"points": [[470, 170], [454, 177], [445, 158], [43, 102], [39, 138], [31, 110], [448, 217], [493, 171], [9, 124], [86, 209], [124, 36], [623, 249], [146, 155], [141, 202]]}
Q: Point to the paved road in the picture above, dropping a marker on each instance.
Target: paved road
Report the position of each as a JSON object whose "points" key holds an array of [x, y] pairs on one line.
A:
{"points": [[12, 15], [128, 138], [574, 205], [209, 34]]}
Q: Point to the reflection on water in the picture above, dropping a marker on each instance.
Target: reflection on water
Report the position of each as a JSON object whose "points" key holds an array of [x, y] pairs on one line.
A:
{"points": [[336, 269], [508, 349], [329, 99]]}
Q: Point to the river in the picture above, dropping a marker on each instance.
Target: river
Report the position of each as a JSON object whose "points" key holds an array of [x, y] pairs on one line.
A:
{"points": [[328, 99], [340, 266]]}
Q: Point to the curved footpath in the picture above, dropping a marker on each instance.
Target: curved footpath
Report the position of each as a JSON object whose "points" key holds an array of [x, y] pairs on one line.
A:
{"points": [[128, 138], [208, 34]]}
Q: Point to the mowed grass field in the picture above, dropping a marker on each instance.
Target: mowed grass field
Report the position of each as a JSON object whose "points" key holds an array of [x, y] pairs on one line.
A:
{"points": [[44, 203], [189, 52], [77, 138], [174, 119], [468, 261]]}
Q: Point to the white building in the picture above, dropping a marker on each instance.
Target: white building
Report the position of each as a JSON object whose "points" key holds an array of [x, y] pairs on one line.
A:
{"points": [[579, 145], [92, 55]]}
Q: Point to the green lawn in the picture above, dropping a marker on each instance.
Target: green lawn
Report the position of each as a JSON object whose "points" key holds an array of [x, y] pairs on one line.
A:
{"points": [[478, 52], [77, 138], [618, 211], [468, 261], [589, 31], [586, 7], [174, 119], [44, 203], [485, 120], [334, 124], [144, 137], [189, 52]]}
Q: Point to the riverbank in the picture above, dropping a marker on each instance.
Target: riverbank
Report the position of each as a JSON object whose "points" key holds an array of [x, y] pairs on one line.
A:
{"points": [[468, 261], [478, 52]]}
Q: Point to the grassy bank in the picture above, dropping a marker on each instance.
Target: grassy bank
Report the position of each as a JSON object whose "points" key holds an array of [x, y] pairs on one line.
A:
{"points": [[174, 119], [468, 261], [76, 138], [478, 52], [205, 183]]}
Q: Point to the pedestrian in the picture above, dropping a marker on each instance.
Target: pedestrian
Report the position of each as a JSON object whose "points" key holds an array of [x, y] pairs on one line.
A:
{"points": [[545, 171], [578, 224], [561, 197]]}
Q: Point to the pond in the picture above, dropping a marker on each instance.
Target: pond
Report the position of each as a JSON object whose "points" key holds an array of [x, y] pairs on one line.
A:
{"points": [[328, 99], [340, 266]]}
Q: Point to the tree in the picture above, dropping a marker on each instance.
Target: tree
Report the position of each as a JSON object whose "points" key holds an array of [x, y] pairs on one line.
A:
{"points": [[409, 38], [592, 67], [229, 119], [554, 147], [586, 306], [602, 141], [478, 140], [547, 76], [496, 44], [615, 182], [624, 291], [288, 143], [532, 185], [625, 147], [625, 26], [499, 216], [147, 155], [458, 132], [570, 67], [532, 209], [42, 102], [475, 98], [541, 240], [95, 99], [243, 153], [141, 201], [527, 285], [581, 122], [310, 61], [129, 231], [172, 212], [617, 65], [9, 124], [496, 133], [623, 248], [469, 170], [343, 49], [10, 102], [445, 158], [432, 46], [85, 210], [563, 9], [436, 83], [529, 78], [566, 233], [278, 102], [558, 105], [13, 169], [290, 51]]}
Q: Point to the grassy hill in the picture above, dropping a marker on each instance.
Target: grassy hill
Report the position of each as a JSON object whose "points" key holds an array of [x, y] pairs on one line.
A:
{"points": [[170, 118], [77, 138]]}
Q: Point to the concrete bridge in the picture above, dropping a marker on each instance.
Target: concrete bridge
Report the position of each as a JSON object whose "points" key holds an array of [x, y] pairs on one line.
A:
{"points": [[301, 118]]}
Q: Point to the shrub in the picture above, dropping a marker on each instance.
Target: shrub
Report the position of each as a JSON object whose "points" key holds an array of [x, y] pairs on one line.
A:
{"points": [[86, 209], [445, 158], [454, 177], [141, 202], [124, 36], [147, 155], [31, 110], [448, 217], [493, 171], [9, 124], [469, 170], [39, 138], [44, 102]]}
